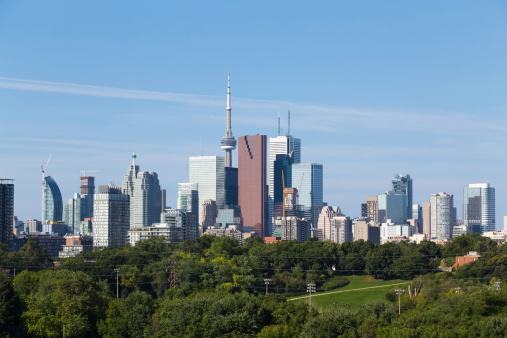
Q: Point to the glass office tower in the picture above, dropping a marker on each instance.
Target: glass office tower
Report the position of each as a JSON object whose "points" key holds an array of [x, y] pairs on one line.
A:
{"points": [[209, 174], [479, 207], [308, 178]]}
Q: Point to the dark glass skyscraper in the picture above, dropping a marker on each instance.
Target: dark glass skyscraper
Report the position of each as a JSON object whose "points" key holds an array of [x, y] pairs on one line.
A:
{"points": [[252, 188], [6, 210]]}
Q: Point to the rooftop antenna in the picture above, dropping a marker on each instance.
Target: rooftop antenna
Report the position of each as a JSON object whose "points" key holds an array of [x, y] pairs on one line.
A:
{"points": [[278, 123], [288, 124]]}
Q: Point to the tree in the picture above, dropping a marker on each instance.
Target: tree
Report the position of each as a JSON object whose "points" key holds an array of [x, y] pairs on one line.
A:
{"points": [[127, 317], [67, 298], [10, 308]]}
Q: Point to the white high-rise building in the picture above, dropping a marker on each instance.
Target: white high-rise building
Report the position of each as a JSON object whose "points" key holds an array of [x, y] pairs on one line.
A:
{"points": [[324, 222], [145, 195], [280, 145], [443, 215], [479, 207], [341, 229], [111, 217], [209, 174]]}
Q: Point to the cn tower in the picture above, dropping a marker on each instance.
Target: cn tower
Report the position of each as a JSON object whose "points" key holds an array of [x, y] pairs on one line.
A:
{"points": [[228, 141]]}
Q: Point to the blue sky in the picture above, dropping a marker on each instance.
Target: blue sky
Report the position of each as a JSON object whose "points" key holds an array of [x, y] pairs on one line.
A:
{"points": [[374, 88]]}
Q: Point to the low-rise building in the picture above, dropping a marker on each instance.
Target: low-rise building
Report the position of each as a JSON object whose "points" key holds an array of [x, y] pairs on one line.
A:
{"points": [[472, 256], [75, 244]]}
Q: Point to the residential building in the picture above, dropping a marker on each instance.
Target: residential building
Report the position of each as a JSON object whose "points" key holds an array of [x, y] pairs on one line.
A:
{"points": [[209, 174], [111, 221], [252, 185], [294, 228], [395, 232], [479, 207], [426, 210], [78, 208], [33, 226], [443, 215], [402, 184], [53, 204], [392, 206], [341, 229], [6, 211], [470, 257], [75, 244]]}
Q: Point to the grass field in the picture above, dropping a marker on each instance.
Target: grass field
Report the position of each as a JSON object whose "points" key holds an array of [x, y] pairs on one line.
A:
{"points": [[360, 290]]}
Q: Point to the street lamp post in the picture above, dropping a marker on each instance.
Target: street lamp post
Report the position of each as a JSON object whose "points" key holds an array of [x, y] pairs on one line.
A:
{"points": [[117, 270], [266, 281], [310, 288]]}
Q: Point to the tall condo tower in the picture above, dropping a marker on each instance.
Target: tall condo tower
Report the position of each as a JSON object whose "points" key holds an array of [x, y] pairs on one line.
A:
{"points": [[228, 141]]}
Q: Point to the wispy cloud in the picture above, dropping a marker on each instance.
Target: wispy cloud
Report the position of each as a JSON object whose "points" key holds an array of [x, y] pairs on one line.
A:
{"points": [[312, 117]]}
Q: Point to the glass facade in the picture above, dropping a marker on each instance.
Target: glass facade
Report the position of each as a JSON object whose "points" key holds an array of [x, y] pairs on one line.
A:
{"points": [[6, 211], [479, 207], [308, 178], [53, 203], [402, 184], [209, 174], [392, 206], [280, 145]]}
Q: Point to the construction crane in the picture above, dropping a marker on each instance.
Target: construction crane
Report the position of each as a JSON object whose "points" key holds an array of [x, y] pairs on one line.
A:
{"points": [[89, 171], [43, 171], [300, 184]]}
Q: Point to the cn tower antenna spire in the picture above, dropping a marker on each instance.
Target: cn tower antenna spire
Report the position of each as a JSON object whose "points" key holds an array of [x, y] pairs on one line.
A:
{"points": [[228, 141]]}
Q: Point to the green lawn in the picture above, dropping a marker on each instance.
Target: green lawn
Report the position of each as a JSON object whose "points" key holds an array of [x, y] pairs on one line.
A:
{"points": [[354, 297]]}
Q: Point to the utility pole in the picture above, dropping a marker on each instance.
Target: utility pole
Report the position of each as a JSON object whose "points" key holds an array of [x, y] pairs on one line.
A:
{"points": [[117, 285], [399, 292], [266, 281], [310, 288], [497, 284], [63, 330]]}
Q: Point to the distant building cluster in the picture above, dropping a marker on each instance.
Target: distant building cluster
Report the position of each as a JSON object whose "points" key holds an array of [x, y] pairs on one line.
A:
{"points": [[272, 194]]}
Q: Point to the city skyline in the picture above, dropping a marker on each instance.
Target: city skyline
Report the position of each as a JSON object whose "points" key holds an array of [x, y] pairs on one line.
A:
{"points": [[364, 113]]}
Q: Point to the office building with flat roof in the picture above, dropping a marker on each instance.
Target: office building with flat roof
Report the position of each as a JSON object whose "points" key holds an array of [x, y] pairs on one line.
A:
{"points": [[208, 172], [6, 211], [252, 184], [479, 207], [402, 184], [111, 221]]}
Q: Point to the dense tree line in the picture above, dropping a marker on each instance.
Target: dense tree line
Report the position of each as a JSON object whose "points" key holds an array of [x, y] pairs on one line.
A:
{"points": [[218, 290]]}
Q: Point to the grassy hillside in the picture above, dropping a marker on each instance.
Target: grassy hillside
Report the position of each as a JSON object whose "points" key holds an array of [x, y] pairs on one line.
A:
{"points": [[361, 289]]}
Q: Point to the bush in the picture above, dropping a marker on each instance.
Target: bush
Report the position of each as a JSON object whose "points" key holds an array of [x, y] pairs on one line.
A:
{"points": [[335, 283]]}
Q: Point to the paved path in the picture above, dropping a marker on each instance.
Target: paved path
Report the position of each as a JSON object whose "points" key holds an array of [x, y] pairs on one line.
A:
{"points": [[328, 293]]}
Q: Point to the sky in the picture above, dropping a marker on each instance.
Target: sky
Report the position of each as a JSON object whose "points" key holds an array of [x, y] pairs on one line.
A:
{"points": [[375, 88]]}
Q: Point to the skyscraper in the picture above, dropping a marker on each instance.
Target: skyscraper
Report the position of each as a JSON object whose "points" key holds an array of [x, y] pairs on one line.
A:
{"points": [[209, 174], [308, 178], [53, 204], [479, 207], [324, 222], [402, 184], [188, 197], [145, 195], [443, 215], [146, 199], [111, 222], [372, 208], [252, 192], [341, 229], [392, 206], [280, 145], [6, 210]]}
